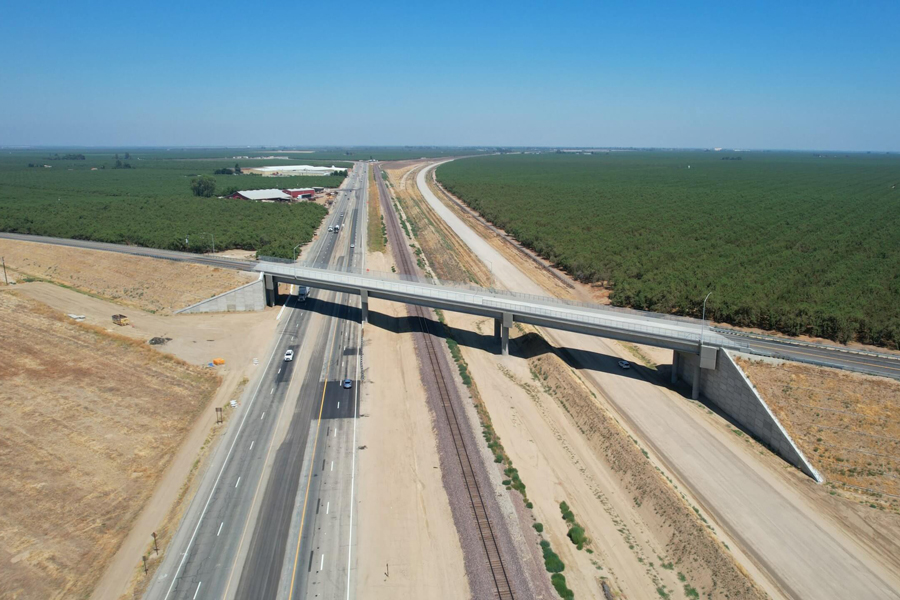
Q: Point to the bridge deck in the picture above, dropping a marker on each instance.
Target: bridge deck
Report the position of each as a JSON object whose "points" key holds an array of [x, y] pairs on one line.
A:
{"points": [[676, 334]]}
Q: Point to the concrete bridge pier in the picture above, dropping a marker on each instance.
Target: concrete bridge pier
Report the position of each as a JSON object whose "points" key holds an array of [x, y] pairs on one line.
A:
{"points": [[270, 290], [364, 303], [695, 386], [674, 374], [504, 333]]}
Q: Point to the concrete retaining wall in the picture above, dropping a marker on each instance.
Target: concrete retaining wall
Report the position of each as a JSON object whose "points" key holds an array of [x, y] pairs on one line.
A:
{"points": [[728, 388], [250, 297]]}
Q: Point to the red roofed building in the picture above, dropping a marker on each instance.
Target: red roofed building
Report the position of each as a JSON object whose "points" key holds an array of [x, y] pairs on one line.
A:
{"points": [[306, 193]]}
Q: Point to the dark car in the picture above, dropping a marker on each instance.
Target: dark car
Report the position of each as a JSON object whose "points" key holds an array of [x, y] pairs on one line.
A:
{"points": [[348, 383]]}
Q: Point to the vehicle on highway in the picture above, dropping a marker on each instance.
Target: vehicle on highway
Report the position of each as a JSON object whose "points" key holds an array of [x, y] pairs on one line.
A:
{"points": [[352, 246], [302, 293], [624, 364], [330, 228], [337, 228], [348, 383], [289, 356]]}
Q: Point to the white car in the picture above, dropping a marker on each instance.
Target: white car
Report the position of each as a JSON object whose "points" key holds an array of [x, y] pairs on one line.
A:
{"points": [[624, 364], [289, 356], [352, 246]]}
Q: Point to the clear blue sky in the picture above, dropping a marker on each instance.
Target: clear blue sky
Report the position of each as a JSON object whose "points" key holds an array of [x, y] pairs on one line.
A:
{"points": [[793, 75]]}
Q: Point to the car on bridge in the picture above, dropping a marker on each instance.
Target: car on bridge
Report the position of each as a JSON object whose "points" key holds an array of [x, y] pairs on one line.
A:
{"points": [[348, 383], [289, 356]]}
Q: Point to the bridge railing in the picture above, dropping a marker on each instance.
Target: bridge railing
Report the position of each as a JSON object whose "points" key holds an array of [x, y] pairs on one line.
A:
{"points": [[549, 300], [585, 319]]}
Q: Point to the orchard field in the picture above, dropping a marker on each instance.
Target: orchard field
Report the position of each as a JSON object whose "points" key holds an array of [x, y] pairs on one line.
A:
{"points": [[802, 243], [151, 203]]}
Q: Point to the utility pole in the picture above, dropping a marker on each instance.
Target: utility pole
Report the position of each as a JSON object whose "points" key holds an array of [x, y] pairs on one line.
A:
{"points": [[294, 251], [155, 545], [703, 325], [4, 271]]}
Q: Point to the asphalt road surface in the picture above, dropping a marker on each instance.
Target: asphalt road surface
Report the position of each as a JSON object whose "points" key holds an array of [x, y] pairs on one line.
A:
{"points": [[234, 536], [865, 362]]}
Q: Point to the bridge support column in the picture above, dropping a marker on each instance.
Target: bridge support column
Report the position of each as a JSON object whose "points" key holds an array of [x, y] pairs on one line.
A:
{"points": [[674, 377], [695, 389], [504, 333], [270, 290], [364, 303]]}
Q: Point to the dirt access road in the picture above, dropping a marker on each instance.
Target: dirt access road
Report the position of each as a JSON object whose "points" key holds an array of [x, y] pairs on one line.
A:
{"points": [[803, 553]]}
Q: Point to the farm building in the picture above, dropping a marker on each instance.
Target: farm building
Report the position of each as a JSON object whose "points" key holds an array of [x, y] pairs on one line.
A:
{"points": [[293, 170], [305, 193], [263, 195]]}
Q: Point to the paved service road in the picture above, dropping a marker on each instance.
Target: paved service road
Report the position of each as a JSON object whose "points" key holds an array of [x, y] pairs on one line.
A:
{"points": [[233, 538]]}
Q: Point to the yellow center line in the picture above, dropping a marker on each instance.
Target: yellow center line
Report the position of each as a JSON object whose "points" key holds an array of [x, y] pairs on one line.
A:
{"points": [[309, 478]]}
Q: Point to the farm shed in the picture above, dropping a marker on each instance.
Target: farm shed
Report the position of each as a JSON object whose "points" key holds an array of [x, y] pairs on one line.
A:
{"points": [[263, 195], [306, 193]]}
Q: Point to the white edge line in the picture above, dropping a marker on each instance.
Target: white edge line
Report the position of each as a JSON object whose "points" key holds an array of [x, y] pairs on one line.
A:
{"points": [[353, 466], [221, 471]]}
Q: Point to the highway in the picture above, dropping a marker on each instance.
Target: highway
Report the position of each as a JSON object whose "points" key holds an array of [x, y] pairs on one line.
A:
{"points": [[243, 522], [874, 363]]}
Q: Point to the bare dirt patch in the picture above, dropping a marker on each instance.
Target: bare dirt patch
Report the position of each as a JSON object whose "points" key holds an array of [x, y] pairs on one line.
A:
{"points": [[150, 284], [90, 421], [408, 545]]}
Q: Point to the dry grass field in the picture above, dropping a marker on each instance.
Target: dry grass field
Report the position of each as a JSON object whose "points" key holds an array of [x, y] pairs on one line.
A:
{"points": [[158, 286], [89, 420], [845, 423]]}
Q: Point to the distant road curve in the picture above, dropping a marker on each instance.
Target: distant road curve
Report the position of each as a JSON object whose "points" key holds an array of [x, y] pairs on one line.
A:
{"points": [[872, 363]]}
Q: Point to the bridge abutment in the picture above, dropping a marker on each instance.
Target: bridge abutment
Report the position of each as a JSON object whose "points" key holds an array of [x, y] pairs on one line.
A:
{"points": [[721, 380]]}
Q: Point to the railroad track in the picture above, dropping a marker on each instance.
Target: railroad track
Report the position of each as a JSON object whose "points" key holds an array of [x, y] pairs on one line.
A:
{"points": [[443, 381]]}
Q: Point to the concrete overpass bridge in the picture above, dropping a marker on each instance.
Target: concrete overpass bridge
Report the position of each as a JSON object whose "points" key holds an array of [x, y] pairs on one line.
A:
{"points": [[683, 336]]}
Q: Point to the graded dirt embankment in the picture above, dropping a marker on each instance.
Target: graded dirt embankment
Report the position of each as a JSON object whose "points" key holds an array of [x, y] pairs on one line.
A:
{"points": [[154, 285], [90, 421]]}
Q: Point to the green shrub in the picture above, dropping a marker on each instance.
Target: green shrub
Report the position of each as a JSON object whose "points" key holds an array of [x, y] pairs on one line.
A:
{"points": [[559, 584], [539, 527], [552, 562], [576, 534]]}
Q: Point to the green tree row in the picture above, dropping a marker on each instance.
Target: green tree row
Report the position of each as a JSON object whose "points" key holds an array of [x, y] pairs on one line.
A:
{"points": [[799, 243]]}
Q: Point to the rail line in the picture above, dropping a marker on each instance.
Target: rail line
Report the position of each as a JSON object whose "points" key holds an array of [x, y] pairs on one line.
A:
{"points": [[442, 379]]}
